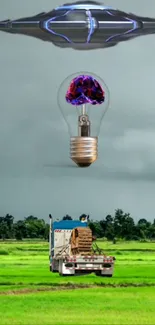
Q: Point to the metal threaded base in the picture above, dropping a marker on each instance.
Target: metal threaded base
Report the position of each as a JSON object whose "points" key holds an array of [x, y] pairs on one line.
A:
{"points": [[84, 150]]}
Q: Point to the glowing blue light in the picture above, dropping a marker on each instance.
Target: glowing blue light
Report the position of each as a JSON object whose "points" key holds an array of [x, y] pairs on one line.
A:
{"points": [[127, 32], [51, 31], [92, 26], [82, 6], [135, 26], [91, 31]]}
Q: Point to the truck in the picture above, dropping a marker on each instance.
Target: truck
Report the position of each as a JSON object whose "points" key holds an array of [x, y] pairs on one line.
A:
{"points": [[73, 252]]}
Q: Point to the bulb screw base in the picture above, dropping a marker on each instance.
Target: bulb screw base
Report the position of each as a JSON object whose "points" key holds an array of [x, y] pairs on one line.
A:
{"points": [[84, 150]]}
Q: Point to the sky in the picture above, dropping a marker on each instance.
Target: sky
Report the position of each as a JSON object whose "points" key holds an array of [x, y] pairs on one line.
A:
{"points": [[36, 174]]}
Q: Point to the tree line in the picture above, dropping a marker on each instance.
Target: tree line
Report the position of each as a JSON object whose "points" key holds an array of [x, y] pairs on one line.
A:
{"points": [[113, 227]]}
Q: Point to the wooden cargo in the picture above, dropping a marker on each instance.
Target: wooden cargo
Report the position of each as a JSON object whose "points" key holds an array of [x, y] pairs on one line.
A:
{"points": [[81, 241]]}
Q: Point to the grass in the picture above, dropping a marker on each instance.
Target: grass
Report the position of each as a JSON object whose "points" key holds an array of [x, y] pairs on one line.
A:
{"points": [[93, 306], [35, 271], [24, 271]]}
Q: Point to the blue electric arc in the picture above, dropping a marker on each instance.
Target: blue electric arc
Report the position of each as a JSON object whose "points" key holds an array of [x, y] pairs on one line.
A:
{"points": [[82, 26]]}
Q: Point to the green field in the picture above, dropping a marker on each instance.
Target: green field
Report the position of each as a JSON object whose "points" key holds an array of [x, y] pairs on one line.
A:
{"points": [[30, 294]]}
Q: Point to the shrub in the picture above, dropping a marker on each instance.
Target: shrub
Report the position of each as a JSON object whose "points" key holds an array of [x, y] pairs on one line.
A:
{"points": [[3, 252]]}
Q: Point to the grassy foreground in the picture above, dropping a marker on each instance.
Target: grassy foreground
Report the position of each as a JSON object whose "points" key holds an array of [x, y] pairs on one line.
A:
{"points": [[86, 306], [24, 271]]}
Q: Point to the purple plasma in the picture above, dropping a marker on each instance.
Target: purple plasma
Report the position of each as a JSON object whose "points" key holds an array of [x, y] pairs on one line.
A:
{"points": [[85, 89]]}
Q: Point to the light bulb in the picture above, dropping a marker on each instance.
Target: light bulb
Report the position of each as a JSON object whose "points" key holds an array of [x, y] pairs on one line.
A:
{"points": [[83, 99]]}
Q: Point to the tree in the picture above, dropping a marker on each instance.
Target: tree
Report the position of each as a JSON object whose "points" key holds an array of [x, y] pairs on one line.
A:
{"points": [[128, 227], [124, 226], [121, 225], [67, 217], [3, 230], [35, 227], [103, 225], [109, 219], [144, 229], [30, 218], [92, 227], [96, 229], [46, 232], [20, 230], [6, 227], [151, 232], [118, 222], [107, 226], [143, 223], [9, 220]]}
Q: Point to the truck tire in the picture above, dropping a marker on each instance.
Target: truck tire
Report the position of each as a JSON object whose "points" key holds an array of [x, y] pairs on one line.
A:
{"points": [[103, 275], [52, 270], [61, 274]]}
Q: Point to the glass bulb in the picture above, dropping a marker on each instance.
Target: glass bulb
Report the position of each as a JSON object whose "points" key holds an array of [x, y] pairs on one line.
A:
{"points": [[83, 99]]}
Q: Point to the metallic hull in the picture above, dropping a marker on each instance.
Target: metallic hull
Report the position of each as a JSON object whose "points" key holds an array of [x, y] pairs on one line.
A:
{"points": [[82, 26]]}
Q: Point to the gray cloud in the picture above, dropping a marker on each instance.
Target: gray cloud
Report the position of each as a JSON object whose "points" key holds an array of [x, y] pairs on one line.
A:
{"points": [[36, 173]]}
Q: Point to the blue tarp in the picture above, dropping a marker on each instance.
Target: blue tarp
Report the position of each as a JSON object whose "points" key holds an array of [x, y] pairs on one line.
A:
{"points": [[68, 224]]}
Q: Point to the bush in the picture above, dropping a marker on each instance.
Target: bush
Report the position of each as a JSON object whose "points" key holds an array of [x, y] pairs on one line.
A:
{"points": [[119, 253], [135, 237], [102, 239], [3, 252], [144, 241]]}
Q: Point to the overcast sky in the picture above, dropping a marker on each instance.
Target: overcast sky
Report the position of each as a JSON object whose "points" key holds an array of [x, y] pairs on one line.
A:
{"points": [[36, 174]]}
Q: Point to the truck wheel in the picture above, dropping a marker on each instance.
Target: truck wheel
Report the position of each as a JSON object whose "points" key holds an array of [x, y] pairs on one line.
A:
{"points": [[51, 269], [106, 275], [103, 275], [61, 274]]}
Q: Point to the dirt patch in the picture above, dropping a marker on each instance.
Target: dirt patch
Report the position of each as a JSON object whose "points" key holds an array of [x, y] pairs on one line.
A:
{"points": [[73, 287]]}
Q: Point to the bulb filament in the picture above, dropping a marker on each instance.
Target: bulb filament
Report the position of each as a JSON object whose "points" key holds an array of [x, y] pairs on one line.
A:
{"points": [[84, 124]]}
